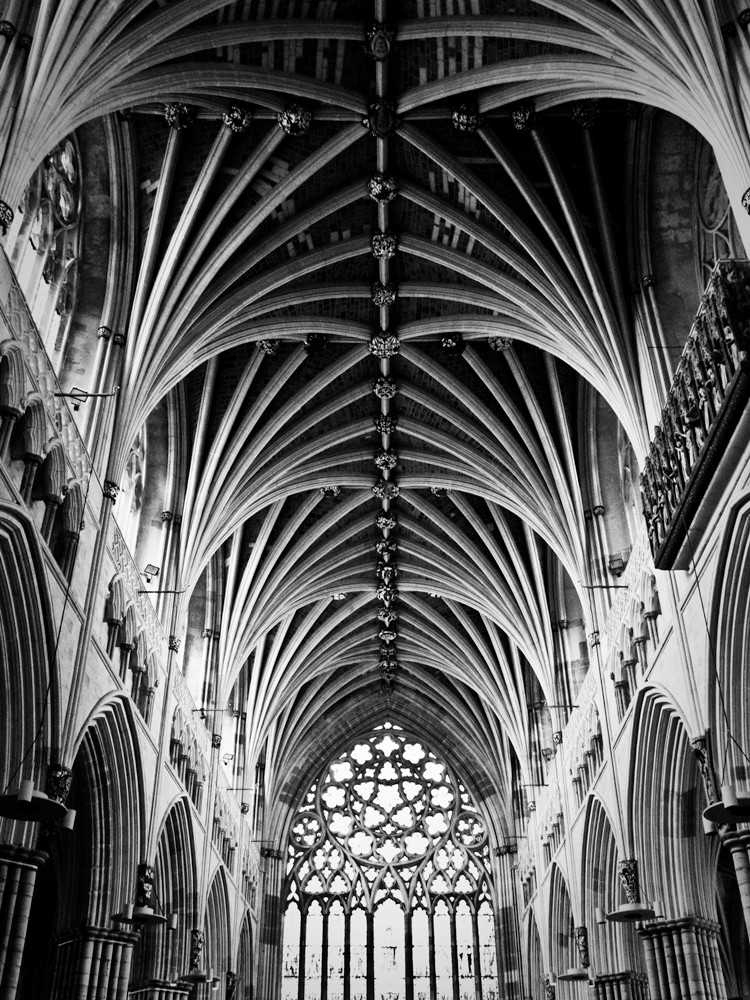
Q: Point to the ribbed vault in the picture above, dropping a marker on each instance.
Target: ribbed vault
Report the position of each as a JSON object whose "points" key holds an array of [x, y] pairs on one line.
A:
{"points": [[378, 343]]}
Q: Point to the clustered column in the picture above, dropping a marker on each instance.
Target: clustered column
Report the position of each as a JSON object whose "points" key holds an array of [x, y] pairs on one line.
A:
{"points": [[682, 959], [738, 843], [93, 962], [621, 986], [18, 869]]}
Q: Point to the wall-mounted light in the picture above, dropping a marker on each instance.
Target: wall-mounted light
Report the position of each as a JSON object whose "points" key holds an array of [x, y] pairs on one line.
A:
{"points": [[149, 572]]}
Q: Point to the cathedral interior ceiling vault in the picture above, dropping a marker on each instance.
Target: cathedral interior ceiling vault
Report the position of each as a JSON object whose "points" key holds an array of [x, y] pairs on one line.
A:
{"points": [[335, 346]]}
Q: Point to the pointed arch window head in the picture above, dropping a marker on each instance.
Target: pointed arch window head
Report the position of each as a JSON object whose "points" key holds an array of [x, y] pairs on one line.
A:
{"points": [[47, 241], [390, 839]]}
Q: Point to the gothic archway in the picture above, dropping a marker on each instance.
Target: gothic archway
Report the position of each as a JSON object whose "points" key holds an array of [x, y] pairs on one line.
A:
{"points": [[389, 884]]}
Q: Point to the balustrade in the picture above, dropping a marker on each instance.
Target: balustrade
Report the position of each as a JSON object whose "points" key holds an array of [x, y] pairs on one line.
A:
{"points": [[708, 395]]}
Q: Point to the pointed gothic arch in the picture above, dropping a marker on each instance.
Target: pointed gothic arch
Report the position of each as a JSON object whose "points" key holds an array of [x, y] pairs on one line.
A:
{"points": [[388, 862]]}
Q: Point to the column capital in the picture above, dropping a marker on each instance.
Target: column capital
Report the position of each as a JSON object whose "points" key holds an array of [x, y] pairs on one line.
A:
{"points": [[23, 857]]}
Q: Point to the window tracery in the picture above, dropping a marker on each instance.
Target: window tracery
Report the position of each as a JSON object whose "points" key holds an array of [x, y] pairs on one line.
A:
{"points": [[717, 237], [388, 880], [47, 248]]}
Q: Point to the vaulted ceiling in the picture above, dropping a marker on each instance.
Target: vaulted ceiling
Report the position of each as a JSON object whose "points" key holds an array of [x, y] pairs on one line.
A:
{"points": [[377, 264]]}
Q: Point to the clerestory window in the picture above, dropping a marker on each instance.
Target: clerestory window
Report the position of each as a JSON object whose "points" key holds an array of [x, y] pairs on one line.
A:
{"points": [[389, 889]]}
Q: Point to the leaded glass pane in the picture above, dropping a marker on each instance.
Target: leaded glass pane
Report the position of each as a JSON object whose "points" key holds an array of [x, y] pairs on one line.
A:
{"points": [[390, 831]]}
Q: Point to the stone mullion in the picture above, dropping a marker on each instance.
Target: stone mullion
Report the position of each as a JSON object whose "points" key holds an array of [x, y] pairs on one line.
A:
{"points": [[324, 959], [347, 954], [477, 955], [454, 955], [370, 956], [431, 938], [301, 962], [408, 954]]}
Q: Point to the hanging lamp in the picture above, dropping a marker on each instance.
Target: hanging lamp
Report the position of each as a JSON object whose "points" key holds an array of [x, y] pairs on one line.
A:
{"points": [[30, 805], [633, 909], [579, 973], [733, 808], [142, 912]]}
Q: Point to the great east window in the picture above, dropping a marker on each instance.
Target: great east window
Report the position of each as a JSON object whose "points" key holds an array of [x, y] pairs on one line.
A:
{"points": [[389, 889]]}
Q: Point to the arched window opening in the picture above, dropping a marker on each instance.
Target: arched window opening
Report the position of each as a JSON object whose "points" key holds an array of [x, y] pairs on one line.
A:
{"points": [[47, 243], [389, 890], [130, 499]]}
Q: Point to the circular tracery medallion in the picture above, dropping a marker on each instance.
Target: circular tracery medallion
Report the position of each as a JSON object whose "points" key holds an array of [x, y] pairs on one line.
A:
{"points": [[388, 819]]}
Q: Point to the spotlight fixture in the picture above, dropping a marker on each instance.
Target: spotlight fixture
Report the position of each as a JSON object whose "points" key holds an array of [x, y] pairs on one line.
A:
{"points": [[149, 572]]}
